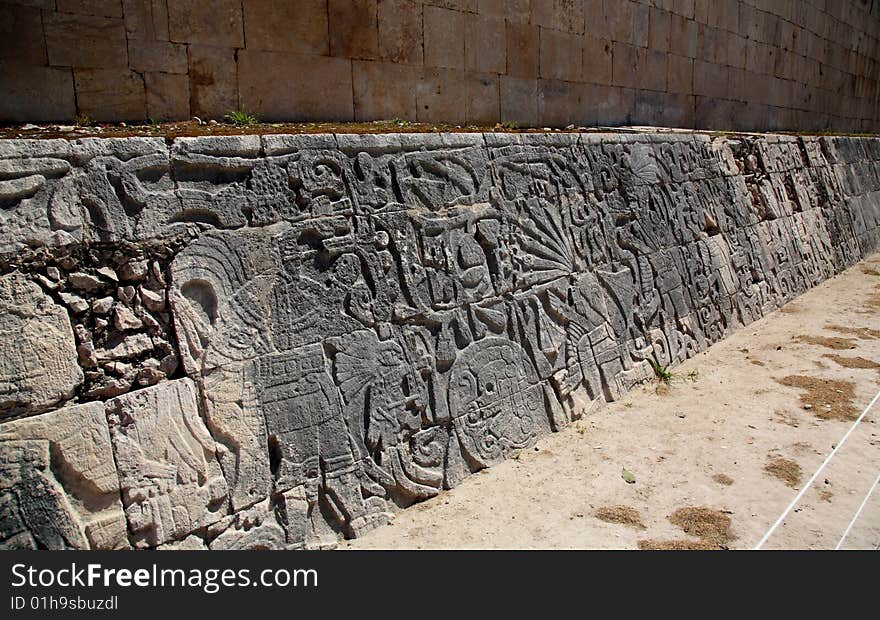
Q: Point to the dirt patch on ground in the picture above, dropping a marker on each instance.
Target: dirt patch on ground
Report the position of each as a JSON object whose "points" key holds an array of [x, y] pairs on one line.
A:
{"points": [[677, 545], [870, 272], [853, 362], [838, 344], [624, 515], [826, 398], [723, 479], [708, 524], [785, 469], [783, 417], [758, 363], [863, 333]]}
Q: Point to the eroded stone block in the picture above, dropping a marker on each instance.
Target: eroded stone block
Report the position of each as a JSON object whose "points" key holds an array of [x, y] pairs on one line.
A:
{"points": [[39, 366], [169, 476], [58, 488]]}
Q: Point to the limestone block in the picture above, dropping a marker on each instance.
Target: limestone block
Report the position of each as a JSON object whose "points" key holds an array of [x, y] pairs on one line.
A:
{"points": [[39, 366], [168, 471], [21, 35], [59, 483], [561, 56], [597, 60], [35, 94], [519, 101], [101, 8], [522, 50], [167, 96], [212, 81], [281, 26], [384, 90], [146, 19], [400, 31], [110, 94], [444, 37], [354, 31], [217, 23], [559, 15], [485, 50], [312, 88], [157, 56], [680, 74], [84, 41]]}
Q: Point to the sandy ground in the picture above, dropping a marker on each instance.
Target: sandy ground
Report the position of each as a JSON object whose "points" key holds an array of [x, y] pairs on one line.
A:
{"points": [[704, 442]]}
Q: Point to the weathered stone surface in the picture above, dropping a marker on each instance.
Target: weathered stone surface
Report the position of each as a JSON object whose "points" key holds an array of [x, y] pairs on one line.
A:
{"points": [[58, 488], [39, 366], [294, 336], [168, 472]]}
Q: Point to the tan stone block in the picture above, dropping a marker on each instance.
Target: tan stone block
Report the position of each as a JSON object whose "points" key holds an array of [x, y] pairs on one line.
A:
{"points": [[213, 88], [659, 26], [519, 101], [522, 50], [295, 87], [736, 50], [628, 22], [517, 11], [284, 26], [559, 104], [217, 23], [100, 8], [608, 105], [651, 69], [625, 62], [110, 95], [167, 96], [561, 55], [483, 98], [146, 19], [21, 35], [354, 30], [35, 94], [384, 90], [597, 60], [711, 44], [444, 38], [710, 80], [400, 31], [685, 8], [680, 74], [439, 97], [562, 15], [84, 41], [485, 44], [157, 56], [683, 36], [663, 109], [492, 8]]}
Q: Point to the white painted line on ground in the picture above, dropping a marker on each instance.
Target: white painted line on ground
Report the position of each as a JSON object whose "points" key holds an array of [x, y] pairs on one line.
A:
{"points": [[812, 479], [858, 512]]}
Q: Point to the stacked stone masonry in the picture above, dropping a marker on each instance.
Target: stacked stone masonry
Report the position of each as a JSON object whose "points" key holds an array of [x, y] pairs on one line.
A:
{"points": [[803, 65], [273, 341]]}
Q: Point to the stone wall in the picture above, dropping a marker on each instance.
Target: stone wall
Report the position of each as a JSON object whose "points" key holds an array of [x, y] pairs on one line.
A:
{"points": [[725, 64], [272, 341]]}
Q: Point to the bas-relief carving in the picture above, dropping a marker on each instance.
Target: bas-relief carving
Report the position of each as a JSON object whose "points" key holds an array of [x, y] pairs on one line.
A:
{"points": [[365, 320]]}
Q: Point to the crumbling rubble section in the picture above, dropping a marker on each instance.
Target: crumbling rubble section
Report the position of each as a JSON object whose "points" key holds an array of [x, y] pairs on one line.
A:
{"points": [[273, 341]]}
